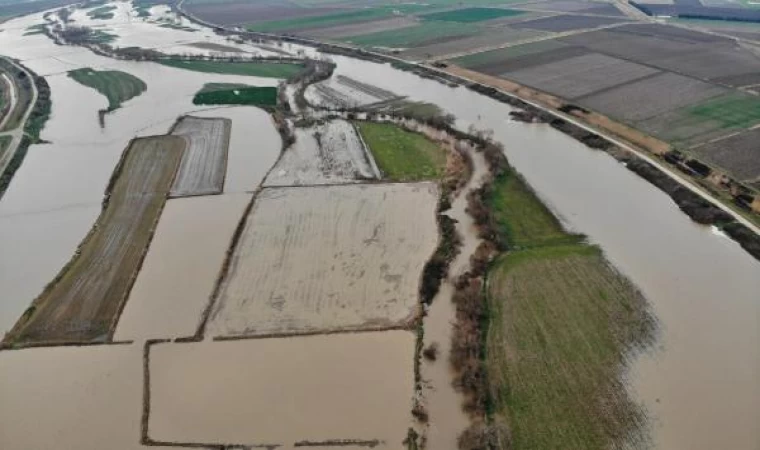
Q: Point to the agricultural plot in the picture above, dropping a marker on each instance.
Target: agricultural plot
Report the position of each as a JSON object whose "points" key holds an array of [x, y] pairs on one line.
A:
{"points": [[241, 12], [470, 15], [303, 25], [204, 161], [573, 6], [571, 396], [328, 258], [494, 36], [499, 67], [484, 60], [118, 87], [346, 92], [423, 34], [581, 75], [256, 69], [357, 29], [181, 267], [85, 299], [739, 154], [403, 155], [691, 53], [337, 390], [651, 96], [331, 153], [236, 95], [562, 23]]}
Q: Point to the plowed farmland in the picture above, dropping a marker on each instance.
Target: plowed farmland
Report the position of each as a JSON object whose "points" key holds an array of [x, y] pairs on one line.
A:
{"points": [[327, 258], [205, 158], [82, 303]]}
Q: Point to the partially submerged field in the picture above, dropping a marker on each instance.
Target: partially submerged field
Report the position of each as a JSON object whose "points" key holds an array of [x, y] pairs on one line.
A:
{"points": [[329, 153], [84, 301], [204, 162], [328, 258], [257, 69], [116, 86], [237, 95], [335, 390], [562, 324]]}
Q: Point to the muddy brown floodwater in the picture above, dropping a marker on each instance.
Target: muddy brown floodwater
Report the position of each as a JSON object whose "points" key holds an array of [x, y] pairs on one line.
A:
{"points": [[354, 386]]}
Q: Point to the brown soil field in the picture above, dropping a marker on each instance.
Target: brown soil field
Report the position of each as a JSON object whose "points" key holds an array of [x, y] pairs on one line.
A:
{"points": [[354, 29], [84, 301], [486, 39], [177, 279], [340, 387], [246, 12], [204, 161], [562, 23], [328, 258], [740, 154], [624, 132]]}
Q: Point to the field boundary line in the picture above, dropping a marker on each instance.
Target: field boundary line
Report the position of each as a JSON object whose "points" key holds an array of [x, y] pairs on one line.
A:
{"points": [[404, 325]]}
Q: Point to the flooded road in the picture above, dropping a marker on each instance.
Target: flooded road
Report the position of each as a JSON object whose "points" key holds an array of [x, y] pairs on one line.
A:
{"points": [[701, 386]]}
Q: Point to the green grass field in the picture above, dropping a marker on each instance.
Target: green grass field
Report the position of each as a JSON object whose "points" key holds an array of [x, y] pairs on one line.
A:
{"points": [[257, 69], [561, 323], [729, 111], [236, 95], [102, 13], [116, 86], [483, 58], [402, 155], [470, 15], [523, 219], [413, 36]]}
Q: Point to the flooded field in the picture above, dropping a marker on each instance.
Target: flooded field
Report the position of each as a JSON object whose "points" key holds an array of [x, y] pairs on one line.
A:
{"points": [[83, 301], [700, 388], [182, 265], [341, 387], [204, 162], [325, 258], [324, 154]]}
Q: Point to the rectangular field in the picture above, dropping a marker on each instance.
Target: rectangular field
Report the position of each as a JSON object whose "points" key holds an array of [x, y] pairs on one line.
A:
{"points": [[355, 388], [204, 161], [739, 154], [423, 34], [469, 15], [324, 154], [558, 24], [83, 302], [651, 96], [346, 92], [328, 258], [581, 75], [181, 268]]}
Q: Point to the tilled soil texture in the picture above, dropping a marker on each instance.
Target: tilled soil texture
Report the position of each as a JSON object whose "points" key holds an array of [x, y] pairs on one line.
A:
{"points": [[205, 159], [86, 297], [328, 258], [331, 153]]}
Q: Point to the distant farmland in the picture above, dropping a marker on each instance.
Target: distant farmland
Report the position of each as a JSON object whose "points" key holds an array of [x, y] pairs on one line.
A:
{"points": [[84, 300], [468, 15], [257, 69]]}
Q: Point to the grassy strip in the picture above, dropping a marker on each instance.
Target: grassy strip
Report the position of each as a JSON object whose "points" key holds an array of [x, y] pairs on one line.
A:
{"points": [[83, 301], [256, 96], [116, 86], [469, 15], [4, 142], [257, 69], [403, 155], [35, 29], [730, 111], [561, 324], [23, 90]]}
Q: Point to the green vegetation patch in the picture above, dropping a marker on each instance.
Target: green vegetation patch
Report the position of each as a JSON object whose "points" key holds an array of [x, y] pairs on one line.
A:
{"points": [[257, 69], [402, 155], [175, 26], [249, 95], [118, 87], [730, 111], [102, 13], [561, 322], [469, 15], [4, 143], [418, 35], [523, 220]]}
